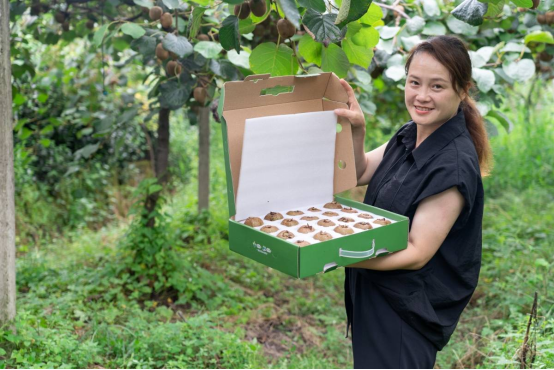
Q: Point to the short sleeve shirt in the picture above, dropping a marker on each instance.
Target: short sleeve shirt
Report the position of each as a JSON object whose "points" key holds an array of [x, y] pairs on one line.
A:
{"points": [[430, 299]]}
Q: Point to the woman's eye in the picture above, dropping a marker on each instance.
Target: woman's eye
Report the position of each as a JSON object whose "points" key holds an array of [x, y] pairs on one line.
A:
{"points": [[413, 83], [437, 87]]}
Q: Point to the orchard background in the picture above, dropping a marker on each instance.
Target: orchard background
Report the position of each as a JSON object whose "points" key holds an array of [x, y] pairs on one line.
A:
{"points": [[122, 241]]}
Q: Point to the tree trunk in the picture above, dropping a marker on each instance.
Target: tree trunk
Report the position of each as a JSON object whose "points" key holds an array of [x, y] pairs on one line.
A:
{"points": [[161, 161], [203, 158], [7, 203]]}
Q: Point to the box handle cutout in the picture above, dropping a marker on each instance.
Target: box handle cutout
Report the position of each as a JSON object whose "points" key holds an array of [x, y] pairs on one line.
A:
{"points": [[342, 164], [330, 267], [356, 254], [276, 90], [381, 251]]}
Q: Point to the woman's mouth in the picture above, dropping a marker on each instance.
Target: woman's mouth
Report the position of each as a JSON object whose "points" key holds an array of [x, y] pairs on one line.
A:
{"points": [[423, 110]]}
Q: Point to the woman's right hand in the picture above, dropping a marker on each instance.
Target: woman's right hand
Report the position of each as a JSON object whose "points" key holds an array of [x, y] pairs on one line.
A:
{"points": [[354, 113]]}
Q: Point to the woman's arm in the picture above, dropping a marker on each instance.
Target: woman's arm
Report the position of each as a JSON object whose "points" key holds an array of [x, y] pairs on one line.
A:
{"points": [[366, 163], [432, 222]]}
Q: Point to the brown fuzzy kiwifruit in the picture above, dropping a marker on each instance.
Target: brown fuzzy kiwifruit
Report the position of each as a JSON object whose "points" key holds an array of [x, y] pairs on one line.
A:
{"points": [[285, 234], [346, 219], [550, 18], [313, 209], [203, 37], [367, 216], [289, 222], [536, 4], [306, 229], [166, 20], [173, 68], [330, 214], [259, 30], [323, 236], [382, 221], [258, 7], [286, 28], [544, 56], [332, 205], [242, 10], [253, 221], [200, 94], [541, 18], [273, 216], [59, 17], [269, 229], [344, 230], [326, 223], [90, 24], [295, 213], [310, 218], [349, 210], [161, 53], [301, 243], [65, 25], [155, 13], [363, 225]]}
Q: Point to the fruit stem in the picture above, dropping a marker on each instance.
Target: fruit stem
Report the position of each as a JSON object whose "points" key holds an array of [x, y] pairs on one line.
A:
{"points": [[296, 55]]}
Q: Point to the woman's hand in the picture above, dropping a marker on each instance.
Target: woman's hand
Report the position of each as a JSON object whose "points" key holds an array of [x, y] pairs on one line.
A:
{"points": [[354, 114]]}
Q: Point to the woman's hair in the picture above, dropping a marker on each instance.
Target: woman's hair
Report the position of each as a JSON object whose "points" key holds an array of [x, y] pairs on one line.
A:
{"points": [[452, 54]]}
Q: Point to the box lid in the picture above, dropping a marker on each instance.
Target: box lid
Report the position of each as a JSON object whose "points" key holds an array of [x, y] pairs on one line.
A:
{"points": [[241, 100]]}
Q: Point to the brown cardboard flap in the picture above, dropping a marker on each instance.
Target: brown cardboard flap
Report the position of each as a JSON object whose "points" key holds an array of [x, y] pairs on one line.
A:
{"points": [[242, 100]]}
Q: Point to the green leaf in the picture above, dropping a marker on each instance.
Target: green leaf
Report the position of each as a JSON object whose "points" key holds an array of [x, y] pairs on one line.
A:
{"points": [[145, 3], [318, 5], [133, 30], [484, 78], [415, 24], [196, 21], [333, 59], [343, 11], [541, 262], [461, 28], [520, 71], [387, 32], [395, 73], [494, 9], [471, 12], [99, 35], [502, 119], [431, 8], [277, 61], [173, 94], [539, 36], [356, 53], [241, 60], [373, 14], [45, 142], [172, 4], [514, 47], [410, 42], [177, 44], [146, 45], [356, 10], [208, 49], [363, 35], [523, 3], [291, 11], [86, 151], [321, 26], [434, 29], [310, 50], [246, 26], [229, 33]]}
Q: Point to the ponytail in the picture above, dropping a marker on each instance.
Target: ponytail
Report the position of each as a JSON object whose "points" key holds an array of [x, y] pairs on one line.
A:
{"points": [[476, 127]]}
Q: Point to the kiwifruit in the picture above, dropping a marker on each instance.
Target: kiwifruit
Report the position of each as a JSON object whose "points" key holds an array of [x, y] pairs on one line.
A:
{"points": [[310, 218], [273, 216], [200, 94], [173, 55], [295, 213], [59, 17], [313, 209], [367, 216], [545, 69], [258, 7], [326, 223], [155, 13], [301, 243], [242, 10], [90, 24], [544, 56], [203, 80], [285, 234], [344, 230], [330, 214], [269, 229], [541, 18], [166, 20], [306, 229], [550, 18], [36, 8], [349, 210], [161, 53], [286, 28], [322, 236], [202, 37], [363, 225], [254, 221], [65, 25], [332, 205], [173, 68], [346, 219], [259, 30], [382, 221], [536, 4], [289, 222]]}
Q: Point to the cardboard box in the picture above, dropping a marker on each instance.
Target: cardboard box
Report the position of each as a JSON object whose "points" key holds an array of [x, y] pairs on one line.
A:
{"points": [[242, 100]]}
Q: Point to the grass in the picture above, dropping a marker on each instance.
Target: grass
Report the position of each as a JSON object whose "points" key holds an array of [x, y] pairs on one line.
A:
{"points": [[75, 311]]}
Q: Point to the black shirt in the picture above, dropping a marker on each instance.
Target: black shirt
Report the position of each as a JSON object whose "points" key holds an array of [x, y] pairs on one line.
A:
{"points": [[431, 299]]}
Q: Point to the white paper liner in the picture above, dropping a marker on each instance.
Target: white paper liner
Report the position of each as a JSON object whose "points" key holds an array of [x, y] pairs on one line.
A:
{"points": [[317, 228]]}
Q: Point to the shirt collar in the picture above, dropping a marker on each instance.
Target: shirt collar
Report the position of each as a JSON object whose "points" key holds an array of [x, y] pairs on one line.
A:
{"points": [[435, 142]]}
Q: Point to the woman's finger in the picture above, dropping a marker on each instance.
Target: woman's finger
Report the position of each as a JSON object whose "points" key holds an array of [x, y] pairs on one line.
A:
{"points": [[349, 91], [352, 116]]}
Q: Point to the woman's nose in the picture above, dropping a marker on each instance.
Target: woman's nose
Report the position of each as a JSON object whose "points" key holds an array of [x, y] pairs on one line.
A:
{"points": [[422, 95]]}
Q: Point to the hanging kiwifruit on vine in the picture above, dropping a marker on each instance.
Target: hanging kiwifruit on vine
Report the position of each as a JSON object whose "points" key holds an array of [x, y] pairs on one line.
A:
{"points": [[202, 37], [166, 20], [242, 10], [155, 13], [161, 53], [173, 68], [200, 94], [285, 28], [258, 7]]}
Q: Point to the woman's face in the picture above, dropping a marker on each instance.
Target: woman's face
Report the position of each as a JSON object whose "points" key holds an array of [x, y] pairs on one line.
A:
{"points": [[429, 94]]}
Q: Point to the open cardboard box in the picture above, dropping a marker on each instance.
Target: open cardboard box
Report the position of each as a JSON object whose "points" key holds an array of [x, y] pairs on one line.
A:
{"points": [[242, 100]]}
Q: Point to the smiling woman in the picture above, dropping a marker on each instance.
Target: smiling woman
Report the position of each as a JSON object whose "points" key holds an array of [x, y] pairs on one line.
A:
{"points": [[404, 307]]}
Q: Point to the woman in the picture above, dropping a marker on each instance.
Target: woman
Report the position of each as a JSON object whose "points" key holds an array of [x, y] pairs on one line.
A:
{"points": [[403, 308]]}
